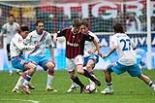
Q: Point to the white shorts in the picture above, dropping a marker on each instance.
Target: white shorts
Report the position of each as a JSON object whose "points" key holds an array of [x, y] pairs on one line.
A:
{"points": [[72, 63]]}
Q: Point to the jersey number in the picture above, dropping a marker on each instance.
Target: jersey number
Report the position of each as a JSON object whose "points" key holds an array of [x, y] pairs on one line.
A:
{"points": [[126, 44]]}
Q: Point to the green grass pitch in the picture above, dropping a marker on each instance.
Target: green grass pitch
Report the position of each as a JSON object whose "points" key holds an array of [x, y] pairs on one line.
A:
{"points": [[126, 90]]}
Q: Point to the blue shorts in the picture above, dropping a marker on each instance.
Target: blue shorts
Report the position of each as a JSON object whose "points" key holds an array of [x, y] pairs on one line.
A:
{"points": [[40, 60], [18, 62], [92, 56], [133, 70]]}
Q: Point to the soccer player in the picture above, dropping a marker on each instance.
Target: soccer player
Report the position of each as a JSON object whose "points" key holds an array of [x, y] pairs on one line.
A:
{"points": [[75, 41], [90, 58], [8, 30], [121, 43], [42, 40], [18, 60]]}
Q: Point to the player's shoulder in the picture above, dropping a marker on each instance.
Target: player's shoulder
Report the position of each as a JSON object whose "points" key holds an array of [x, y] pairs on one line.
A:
{"points": [[5, 25], [67, 28], [15, 23], [17, 37]]}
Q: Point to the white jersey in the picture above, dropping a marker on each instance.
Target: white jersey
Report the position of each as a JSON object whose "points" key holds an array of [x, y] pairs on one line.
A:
{"points": [[17, 46], [122, 43], [90, 45], [9, 30], [34, 37]]}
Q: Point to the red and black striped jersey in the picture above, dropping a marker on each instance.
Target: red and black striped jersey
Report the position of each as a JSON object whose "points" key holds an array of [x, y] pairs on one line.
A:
{"points": [[74, 42]]}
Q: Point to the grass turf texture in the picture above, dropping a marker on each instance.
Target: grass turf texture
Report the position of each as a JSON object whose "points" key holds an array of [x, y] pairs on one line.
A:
{"points": [[126, 89]]}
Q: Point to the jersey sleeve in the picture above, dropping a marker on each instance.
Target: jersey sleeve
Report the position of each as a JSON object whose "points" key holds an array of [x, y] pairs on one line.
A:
{"points": [[3, 30], [88, 37], [113, 42], [61, 33], [49, 41], [19, 43]]}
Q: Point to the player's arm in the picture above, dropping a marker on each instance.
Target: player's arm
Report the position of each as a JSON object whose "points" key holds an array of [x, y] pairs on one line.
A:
{"points": [[109, 53], [3, 30], [59, 34], [91, 38], [113, 46], [50, 45], [20, 45]]}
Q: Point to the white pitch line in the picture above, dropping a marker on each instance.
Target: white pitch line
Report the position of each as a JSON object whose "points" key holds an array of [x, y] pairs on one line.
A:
{"points": [[32, 101]]}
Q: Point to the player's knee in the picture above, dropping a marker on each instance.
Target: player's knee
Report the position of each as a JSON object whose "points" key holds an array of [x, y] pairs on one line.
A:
{"points": [[90, 67], [109, 69], [80, 70], [72, 75], [50, 65]]}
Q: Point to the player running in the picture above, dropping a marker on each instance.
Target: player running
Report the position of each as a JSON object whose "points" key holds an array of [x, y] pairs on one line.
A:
{"points": [[90, 57], [42, 40], [121, 43], [18, 60], [75, 41]]}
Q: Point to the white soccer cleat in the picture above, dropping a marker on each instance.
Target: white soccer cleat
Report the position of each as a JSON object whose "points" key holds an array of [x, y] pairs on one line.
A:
{"points": [[15, 90], [107, 91], [153, 87], [72, 88], [51, 89]]}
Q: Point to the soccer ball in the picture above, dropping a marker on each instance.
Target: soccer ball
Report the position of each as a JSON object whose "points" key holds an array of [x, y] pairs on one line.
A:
{"points": [[90, 88]]}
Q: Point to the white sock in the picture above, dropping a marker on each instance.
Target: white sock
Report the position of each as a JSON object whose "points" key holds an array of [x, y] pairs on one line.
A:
{"points": [[74, 84], [91, 82], [19, 82], [26, 80], [49, 80]]}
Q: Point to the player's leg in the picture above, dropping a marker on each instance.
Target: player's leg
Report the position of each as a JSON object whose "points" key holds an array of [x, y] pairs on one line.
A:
{"points": [[75, 80], [92, 60], [79, 66], [148, 81], [73, 84], [49, 66], [118, 69], [30, 70], [135, 71], [20, 63], [108, 80]]}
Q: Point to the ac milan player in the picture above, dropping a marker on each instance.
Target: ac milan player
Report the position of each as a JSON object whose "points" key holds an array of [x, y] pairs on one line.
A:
{"points": [[75, 41]]}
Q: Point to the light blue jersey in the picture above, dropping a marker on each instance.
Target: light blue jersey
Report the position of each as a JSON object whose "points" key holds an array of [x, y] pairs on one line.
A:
{"points": [[38, 54]]}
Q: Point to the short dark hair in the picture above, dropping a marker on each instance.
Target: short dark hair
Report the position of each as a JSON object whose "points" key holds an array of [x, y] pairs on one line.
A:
{"points": [[39, 21], [76, 22], [11, 15], [24, 28], [118, 28], [85, 22]]}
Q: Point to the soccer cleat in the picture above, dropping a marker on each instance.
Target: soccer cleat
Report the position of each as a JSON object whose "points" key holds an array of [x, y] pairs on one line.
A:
{"points": [[107, 91], [72, 88], [153, 87], [25, 89], [15, 90], [51, 89]]}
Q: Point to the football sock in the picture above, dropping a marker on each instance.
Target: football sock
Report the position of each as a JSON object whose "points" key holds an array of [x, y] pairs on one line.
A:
{"points": [[49, 80], [77, 81]]}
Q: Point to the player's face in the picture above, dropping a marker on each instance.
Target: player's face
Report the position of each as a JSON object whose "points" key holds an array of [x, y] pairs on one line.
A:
{"points": [[11, 19], [40, 27], [84, 29], [24, 34], [76, 30]]}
